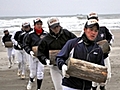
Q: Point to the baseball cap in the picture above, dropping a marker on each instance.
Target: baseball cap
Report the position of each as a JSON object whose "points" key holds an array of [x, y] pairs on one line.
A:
{"points": [[37, 20], [92, 22], [92, 15], [53, 22], [25, 24]]}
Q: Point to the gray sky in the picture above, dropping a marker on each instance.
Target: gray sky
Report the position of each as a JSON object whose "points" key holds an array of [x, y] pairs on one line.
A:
{"points": [[57, 7]]}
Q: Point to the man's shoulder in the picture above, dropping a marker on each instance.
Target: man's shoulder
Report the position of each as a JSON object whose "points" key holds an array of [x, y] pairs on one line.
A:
{"points": [[31, 32], [75, 40], [66, 30], [103, 28]]}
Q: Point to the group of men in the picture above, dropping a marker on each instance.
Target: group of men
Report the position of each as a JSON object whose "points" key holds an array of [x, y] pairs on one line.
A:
{"points": [[84, 47]]}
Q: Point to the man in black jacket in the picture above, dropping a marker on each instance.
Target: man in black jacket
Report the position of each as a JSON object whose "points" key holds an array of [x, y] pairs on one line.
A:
{"points": [[54, 40], [20, 53], [10, 50], [32, 40], [21, 39]]}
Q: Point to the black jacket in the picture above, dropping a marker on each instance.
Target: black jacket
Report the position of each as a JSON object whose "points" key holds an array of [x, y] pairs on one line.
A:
{"points": [[105, 34], [15, 38], [22, 36], [33, 39], [6, 38], [52, 42]]}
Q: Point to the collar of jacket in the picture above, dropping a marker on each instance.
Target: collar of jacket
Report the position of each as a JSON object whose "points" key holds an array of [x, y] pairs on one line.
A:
{"points": [[56, 35]]}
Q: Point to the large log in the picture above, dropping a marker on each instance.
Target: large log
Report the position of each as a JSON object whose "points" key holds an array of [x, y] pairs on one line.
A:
{"points": [[8, 44], [104, 45], [86, 70], [34, 49], [52, 56]]}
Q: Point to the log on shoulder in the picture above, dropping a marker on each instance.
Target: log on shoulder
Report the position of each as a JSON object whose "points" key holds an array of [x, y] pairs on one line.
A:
{"points": [[86, 70]]}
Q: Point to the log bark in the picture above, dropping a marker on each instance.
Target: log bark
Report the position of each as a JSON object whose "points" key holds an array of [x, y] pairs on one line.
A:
{"points": [[86, 70], [8, 44], [52, 56], [104, 45]]}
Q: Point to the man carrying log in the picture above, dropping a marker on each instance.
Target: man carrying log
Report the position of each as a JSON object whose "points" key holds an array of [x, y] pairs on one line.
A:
{"points": [[32, 40], [84, 48], [6, 41], [50, 45], [103, 34]]}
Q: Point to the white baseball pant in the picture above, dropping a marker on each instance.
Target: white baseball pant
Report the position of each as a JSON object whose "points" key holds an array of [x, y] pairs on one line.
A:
{"points": [[36, 68]]}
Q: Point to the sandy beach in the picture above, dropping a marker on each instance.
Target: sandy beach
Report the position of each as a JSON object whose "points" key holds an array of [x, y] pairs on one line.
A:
{"points": [[10, 81]]}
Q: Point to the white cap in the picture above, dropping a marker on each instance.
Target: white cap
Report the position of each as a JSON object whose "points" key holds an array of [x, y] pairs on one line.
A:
{"points": [[52, 22], [37, 20], [91, 22], [92, 15], [25, 24]]}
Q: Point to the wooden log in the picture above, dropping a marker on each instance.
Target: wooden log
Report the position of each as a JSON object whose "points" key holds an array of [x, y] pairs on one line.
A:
{"points": [[8, 44], [87, 70], [52, 56], [34, 49], [104, 45]]}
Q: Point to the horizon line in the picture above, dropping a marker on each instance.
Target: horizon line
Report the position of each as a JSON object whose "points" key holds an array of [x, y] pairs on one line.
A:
{"points": [[53, 15]]}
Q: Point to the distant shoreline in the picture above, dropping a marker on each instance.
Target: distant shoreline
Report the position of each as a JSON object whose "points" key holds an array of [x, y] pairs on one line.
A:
{"points": [[44, 16]]}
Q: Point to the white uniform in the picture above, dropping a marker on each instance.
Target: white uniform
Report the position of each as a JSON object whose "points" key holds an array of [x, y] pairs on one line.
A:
{"points": [[20, 54], [36, 68], [21, 58], [56, 76], [10, 54]]}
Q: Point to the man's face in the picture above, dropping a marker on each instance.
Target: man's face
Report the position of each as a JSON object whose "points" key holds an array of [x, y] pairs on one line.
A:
{"points": [[56, 29], [38, 25], [27, 28], [6, 33], [91, 33]]}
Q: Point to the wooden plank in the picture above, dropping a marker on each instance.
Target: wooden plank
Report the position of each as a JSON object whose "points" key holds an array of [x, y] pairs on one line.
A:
{"points": [[86, 70]]}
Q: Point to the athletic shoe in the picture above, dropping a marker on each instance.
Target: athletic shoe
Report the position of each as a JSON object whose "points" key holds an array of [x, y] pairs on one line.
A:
{"points": [[102, 88], [9, 65], [22, 76], [29, 86], [34, 80], [94, 88], [19, 73]]}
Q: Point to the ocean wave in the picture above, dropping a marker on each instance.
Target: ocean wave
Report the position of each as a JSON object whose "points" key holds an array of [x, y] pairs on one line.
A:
{"points": [[72, 23]]}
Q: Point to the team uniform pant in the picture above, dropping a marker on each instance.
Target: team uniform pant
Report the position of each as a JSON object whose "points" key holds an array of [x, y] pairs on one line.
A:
{"points": [[27, 59], [68, 88], [11, 54], [36, 68], [56, 77], [21, 58], [108, 65]]}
